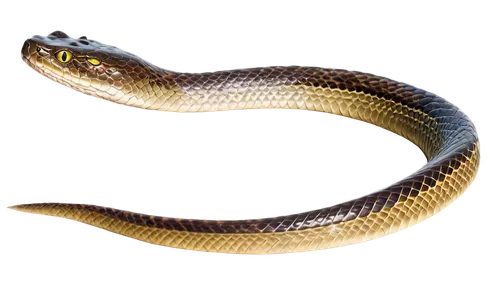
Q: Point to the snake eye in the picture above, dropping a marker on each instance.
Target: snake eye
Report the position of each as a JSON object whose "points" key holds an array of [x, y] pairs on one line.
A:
{"points": [[64, 56], [94, 62]]}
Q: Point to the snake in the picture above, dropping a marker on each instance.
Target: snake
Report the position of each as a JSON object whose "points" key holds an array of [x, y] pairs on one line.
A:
{"points": [[442, 131]]}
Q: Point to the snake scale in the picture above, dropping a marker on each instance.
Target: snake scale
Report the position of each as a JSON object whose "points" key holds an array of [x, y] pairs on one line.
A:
{"points": [[444, 133]]}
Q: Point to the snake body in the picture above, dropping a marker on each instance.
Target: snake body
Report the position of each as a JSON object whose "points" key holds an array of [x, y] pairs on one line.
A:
{"points": [[444, 133]]}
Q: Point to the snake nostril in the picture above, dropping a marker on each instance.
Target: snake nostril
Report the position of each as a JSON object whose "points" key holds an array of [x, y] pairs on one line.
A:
{"points": [[27, 44]]}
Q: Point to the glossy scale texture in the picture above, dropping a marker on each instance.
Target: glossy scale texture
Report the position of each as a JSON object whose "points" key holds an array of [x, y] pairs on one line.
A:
{"points": [[444, 133]]}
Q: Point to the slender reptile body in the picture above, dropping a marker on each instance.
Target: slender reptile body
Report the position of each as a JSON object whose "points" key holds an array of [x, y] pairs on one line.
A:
{"points": [[444, 133]]}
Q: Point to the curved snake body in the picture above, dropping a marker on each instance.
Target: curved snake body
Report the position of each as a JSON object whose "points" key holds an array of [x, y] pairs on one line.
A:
{"points": [[443, 132]]}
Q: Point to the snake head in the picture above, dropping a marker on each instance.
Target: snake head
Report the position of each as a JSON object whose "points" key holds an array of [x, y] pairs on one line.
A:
{"points": [[88, 66]]}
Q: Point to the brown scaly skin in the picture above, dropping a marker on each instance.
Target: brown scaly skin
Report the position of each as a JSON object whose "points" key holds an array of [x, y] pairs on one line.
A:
{"points": [[444, 133]]}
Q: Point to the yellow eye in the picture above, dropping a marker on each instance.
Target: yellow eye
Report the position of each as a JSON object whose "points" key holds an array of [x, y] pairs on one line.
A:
{"points": [[94, 62], [64, 56]]}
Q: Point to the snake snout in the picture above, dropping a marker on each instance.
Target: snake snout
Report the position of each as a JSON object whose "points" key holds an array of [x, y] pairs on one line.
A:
{"points": [[30, 48], [25, 49]]}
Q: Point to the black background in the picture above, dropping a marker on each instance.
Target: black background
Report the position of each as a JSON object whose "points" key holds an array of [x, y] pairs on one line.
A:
{"points": [[60, 149]]}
